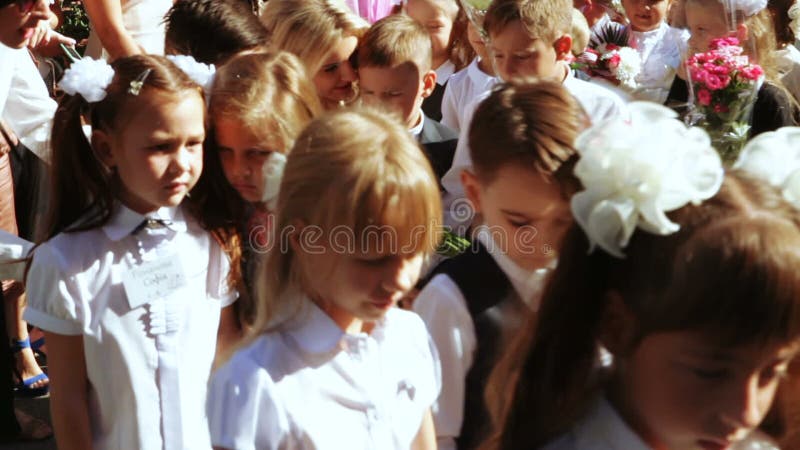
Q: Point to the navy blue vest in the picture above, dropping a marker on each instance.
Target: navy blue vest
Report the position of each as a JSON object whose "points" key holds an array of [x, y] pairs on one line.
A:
{"points": [[484, 285]]}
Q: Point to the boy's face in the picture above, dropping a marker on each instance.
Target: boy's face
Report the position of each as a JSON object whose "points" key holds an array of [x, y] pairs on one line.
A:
{"points": [[528, 216], [437, 16], [715, 395], [645, 15], [518, 54], [401, 88]]}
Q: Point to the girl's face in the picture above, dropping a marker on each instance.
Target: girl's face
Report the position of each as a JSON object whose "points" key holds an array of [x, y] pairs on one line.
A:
{"points": [[335, 81], [645, 15], [158, 152], [243, 156], [678, 390], [437, 16], [476, 42], [363, 285], [706, 22], [18, 20]]}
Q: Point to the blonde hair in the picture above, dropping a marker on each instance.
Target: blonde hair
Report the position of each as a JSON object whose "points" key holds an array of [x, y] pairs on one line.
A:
{"points": [[353, 171], [270, 93], [543, 19], [310, 29], [580, 32], [395, 40]]}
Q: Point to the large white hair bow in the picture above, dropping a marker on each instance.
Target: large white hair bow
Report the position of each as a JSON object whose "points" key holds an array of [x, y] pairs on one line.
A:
{"points": [[634, 172], [200, 73], [273, 175], [775, 158], [87, 77]]}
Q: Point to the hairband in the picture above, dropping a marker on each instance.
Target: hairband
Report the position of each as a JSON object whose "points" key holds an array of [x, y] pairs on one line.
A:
{"points": [[635, 171]]}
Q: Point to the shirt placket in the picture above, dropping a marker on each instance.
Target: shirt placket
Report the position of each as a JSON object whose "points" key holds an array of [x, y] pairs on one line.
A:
{"points": [[363, 352]]}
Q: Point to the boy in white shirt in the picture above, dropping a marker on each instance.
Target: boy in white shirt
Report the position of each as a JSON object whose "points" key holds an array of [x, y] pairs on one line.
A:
{"points": [[521, 145], [530, 38]]}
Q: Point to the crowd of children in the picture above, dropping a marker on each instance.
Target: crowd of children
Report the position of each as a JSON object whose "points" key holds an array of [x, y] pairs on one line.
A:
{"points": [[242, 195]]}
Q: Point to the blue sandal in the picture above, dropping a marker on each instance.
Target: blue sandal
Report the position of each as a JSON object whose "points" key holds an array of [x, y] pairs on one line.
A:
{"points": [[24, 388]]}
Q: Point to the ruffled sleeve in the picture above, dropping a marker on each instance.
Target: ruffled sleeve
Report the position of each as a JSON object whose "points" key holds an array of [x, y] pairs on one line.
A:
{"points": [[54, 303], [243, 411]]}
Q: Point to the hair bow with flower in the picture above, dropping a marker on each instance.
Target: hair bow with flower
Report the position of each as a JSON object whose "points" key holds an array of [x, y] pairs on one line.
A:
{"points": [[273, 175], [89, 78], [200, 73], [635, 171], [775, 158]]}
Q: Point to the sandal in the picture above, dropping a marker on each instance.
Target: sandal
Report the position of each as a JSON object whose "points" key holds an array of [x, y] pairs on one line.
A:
{"points": [[25, 387]]}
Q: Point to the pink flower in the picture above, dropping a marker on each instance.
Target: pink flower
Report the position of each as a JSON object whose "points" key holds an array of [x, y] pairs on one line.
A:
{"points": [[699, 75], [613, 61], [704, 97], [713, 82], [723, 42], [720, 108], [753, 72]]}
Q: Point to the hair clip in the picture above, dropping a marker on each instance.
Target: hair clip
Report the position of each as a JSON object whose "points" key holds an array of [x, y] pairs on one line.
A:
{"points": [[137, 84]]}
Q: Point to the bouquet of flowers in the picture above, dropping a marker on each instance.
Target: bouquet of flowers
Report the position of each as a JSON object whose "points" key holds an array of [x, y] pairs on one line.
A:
{"points": [[725, 84], [608, 56]]}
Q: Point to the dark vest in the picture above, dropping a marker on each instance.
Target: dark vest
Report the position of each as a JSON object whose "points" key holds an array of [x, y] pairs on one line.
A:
{"points": [[484, 286], [432, 106]]}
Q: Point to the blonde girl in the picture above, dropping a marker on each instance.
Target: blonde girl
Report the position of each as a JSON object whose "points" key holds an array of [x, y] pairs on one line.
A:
{"points": [[259, 104], [333, 364], [324, 34], [129, 286]]}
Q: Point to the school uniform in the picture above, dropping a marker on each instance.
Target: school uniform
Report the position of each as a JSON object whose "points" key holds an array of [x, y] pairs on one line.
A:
{"points": [[148, 351], [462, 89], [788, 61], [660, 51], [432, 106], [309, 385], [472, 305], [438, 142], [598, 103], [771, 110]]}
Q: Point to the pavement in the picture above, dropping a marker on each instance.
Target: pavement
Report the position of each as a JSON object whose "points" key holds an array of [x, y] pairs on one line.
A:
{"points": [[40, 408]]}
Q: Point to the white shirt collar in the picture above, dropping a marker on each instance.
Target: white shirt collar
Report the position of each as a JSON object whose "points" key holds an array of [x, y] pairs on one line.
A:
{"points": [[417, 130], [527, 284], [444, 71], [124, 220], [315, 332], [479, 78], [603, 429]]}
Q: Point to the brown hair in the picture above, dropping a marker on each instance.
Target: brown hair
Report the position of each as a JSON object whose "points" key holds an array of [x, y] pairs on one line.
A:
{"points": [[395, 40], [270, 93], [544, 19], [730, 272], [528, 123], [212, 30], [779, 9], [310, 28]]}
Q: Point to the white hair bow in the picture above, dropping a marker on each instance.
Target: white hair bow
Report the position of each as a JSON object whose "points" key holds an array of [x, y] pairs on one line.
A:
{"points": [[775, 158], [636, 171], [87, 77], [273, 175], [200, 73]]}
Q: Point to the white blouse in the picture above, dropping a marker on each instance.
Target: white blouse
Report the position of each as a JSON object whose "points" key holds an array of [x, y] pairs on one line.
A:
{"points": [[148, 363], [144, 21], [309, 385], [462, 89], [788, 62], [660, 51]]}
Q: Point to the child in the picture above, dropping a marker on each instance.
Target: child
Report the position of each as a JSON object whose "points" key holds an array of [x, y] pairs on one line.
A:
{"points": [[259, 104], [660, 47], [699, 308], [787, 33], [708, 20], [521, 180], [469, 83], [129, 286], [530, 39], [213, 30], [324, 34], [395, 70], [438, 17], [333, 364]]}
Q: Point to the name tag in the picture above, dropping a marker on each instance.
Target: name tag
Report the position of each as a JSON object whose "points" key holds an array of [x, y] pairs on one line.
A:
{"points": [[153, 280]]}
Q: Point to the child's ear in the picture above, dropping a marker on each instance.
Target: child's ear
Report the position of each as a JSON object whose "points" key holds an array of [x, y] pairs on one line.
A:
{"points": [[742, 32], [101, 145], [472, 187], [563, 46], [618, 326], [428, 83]]}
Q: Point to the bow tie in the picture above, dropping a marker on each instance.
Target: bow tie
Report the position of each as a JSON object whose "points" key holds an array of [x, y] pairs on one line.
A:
{"points": [[151, 224]]}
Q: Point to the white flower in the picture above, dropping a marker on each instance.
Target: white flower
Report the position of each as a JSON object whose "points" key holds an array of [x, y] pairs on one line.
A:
{"points": [[636, 171], [630, 65], [200, 73], [775, 158], [89, 78], [794, 15], [273, 174]]}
